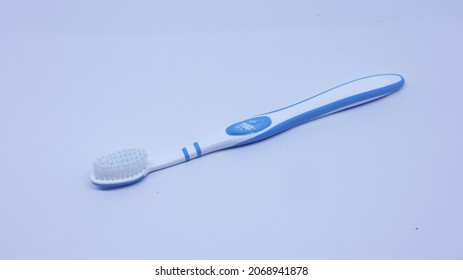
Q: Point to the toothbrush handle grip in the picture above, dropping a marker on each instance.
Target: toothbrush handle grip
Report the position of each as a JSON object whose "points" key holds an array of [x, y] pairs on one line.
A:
{"points": [[339, 98]]}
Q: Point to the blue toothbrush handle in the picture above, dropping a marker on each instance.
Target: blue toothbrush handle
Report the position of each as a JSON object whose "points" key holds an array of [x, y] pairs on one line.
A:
{"points": [[263, 126], [342, 97]]}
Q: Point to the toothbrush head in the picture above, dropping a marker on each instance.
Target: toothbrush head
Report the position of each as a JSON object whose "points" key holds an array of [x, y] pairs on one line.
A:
{"points": [[120, 168]]}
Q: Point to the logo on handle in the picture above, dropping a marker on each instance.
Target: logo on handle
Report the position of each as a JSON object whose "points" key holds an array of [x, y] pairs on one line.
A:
{"points": [[249, 126]]}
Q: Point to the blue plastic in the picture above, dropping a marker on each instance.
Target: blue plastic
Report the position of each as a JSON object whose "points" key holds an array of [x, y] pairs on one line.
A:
{"points": [[249, 126], [398, 85], [118, 185], [186, 154], [198, 149], [313, 114]]}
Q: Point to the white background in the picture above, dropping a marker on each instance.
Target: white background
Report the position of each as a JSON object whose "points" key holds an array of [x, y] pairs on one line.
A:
{"points": [[79, 79]]}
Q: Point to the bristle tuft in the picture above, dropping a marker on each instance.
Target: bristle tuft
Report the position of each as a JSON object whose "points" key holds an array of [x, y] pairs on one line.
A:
{"points": [[120, 165]]}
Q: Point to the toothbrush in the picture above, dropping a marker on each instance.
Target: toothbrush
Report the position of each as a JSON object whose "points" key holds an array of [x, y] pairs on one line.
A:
{"points": [[131, 165]]}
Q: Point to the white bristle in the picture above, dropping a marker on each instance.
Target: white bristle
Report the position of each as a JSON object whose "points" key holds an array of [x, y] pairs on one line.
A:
{"points": [[120, 165]]}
